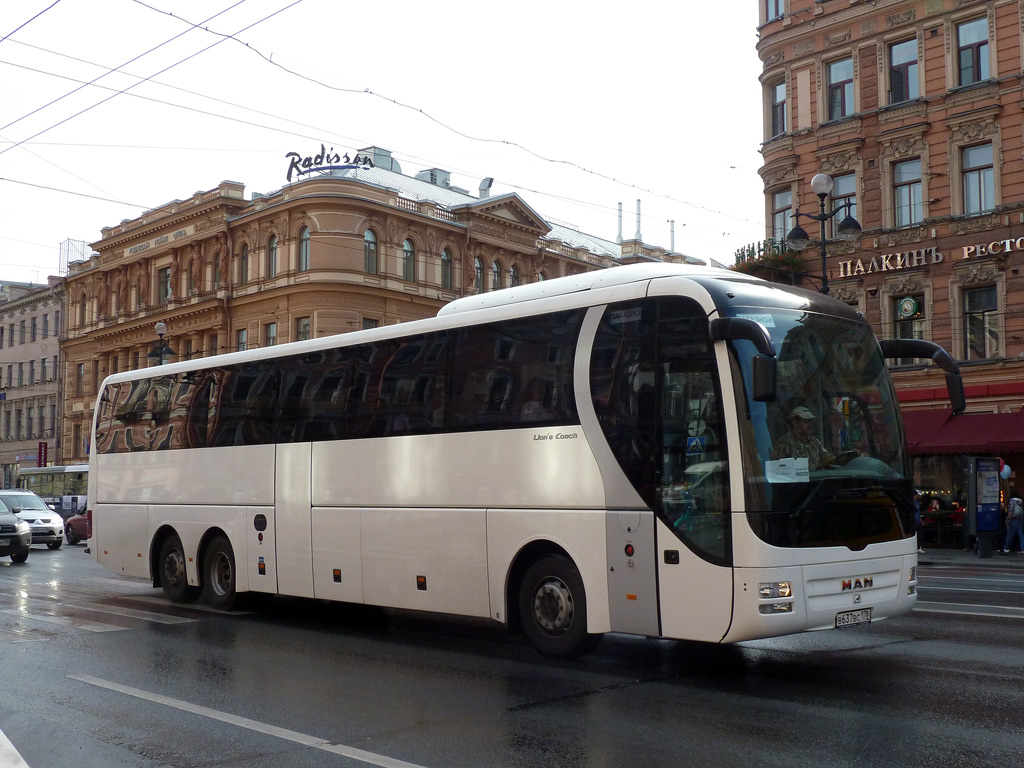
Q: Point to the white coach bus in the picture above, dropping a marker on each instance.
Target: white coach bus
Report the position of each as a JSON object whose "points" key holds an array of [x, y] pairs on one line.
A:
{"points": [[597, 453]]}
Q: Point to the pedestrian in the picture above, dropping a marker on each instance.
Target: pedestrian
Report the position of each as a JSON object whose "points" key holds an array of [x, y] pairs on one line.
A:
{"points": [[918, 524], [1014, 522]]}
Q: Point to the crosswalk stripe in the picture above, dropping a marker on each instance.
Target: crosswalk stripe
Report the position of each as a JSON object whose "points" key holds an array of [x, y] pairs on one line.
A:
{"points": [[64, 621], [132, 613]]}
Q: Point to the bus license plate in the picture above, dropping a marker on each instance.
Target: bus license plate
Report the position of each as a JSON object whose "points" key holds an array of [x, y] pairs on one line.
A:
{"points": [[849, 618]]}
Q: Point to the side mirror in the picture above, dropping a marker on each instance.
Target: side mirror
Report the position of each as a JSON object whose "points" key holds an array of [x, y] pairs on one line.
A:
{"points": [[15, 510], [764, 369], [765, 372], [896, 348]]}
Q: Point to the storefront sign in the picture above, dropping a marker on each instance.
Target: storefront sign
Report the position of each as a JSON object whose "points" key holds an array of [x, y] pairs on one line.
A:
{"points": [[326, 160], [889, 262], [158, 241], [990, 249]]}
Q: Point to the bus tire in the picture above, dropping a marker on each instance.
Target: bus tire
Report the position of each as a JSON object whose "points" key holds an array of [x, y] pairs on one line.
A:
{"points": [[173, 577], [553, 608], [219, 574]]}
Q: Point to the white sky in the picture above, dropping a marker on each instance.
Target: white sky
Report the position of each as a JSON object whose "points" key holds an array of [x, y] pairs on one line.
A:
{"points": [[645, 99]]}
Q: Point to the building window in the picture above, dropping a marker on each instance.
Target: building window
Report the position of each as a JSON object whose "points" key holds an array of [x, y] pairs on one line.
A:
{"points": [[910, 320], [368, 323], [242, 337], [302, 329], [30, 414], [844, 193], [32, 330], [981, 323], [304, 249], [114, 365], [774, 9], [839, 75], [270, 334], [778, 101], [906, 179], [408, 261], [369, 252], [782, 214], [513, 276], [79, 383], [271, 257], [972, 51], [495, 276], [21, 332], [478, 275], [163, 285], [903, 71], [42, 369], [21, 374], [446, 269], [135, 361], [243, 265], [46, 327], [979, 178], [31, 372], [214, 344], [1, 337]]}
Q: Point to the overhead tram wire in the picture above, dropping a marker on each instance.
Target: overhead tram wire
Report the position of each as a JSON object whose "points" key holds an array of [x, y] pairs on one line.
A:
{"points": [[114, 69], [25, 24], [165, 69], [427, 115]]}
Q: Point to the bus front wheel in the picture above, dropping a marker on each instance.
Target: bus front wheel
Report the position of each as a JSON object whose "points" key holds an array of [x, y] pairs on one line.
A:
{"points": [[173, 577], [553, 608], [219, 574]]}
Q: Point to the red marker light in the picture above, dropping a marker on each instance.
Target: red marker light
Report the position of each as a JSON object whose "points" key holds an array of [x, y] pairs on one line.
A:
{"points": [[629, 550]]}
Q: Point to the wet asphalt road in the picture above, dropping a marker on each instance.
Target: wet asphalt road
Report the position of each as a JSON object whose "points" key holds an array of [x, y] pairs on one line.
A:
{"points": [[101, 671]]}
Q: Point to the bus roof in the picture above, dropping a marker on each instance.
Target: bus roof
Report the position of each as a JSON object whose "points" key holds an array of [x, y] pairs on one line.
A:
{"points": [[587, 281]]}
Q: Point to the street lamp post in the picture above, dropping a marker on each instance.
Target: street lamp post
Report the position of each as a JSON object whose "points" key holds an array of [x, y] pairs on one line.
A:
{"points": [[849, 228], [162, 347]]}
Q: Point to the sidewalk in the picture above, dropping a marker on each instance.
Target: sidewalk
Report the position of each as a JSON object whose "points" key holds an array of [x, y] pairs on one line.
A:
{"points": [[968, 557]]}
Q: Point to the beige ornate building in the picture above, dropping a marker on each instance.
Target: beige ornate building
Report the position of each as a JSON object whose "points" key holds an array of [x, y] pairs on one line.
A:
{"points": [[344, 250]]}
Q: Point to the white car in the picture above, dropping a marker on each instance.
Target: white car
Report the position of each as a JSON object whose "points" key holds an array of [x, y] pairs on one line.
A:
{"points": [[47, 525]]}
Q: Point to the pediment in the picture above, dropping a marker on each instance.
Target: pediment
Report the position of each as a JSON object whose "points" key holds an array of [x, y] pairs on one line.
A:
{"points": [[510, 208]]}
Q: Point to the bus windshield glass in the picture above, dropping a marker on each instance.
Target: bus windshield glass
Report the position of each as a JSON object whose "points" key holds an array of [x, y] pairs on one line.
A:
{"points": [[826, 464]]}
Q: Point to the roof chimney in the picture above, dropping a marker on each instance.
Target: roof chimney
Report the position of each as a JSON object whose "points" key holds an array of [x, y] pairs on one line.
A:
{"points": [[619, 238], [485, 187], [638, 236]]}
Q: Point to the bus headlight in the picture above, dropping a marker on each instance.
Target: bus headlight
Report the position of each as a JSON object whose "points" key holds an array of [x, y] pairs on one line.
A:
{"points": [[774, 590], [912, 581]]}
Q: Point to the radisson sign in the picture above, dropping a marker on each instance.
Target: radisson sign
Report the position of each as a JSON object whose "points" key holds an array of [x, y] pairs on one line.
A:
{"points": [[324, 160]]}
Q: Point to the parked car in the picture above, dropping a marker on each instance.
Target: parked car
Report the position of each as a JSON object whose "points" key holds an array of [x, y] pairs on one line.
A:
{"points": [[76, 528], [15, 537], [46, 524]]}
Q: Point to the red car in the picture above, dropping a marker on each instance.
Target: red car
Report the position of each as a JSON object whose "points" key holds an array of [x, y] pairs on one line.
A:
{"points": [[76, 528]]}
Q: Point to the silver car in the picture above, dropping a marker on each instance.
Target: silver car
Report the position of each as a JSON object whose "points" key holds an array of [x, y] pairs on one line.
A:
{"points": [[47, 525]]}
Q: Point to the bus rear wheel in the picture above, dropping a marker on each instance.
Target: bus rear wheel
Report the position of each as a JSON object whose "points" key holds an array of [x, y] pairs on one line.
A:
{"points": [[553, 608], [173, 577], [219, 574]]}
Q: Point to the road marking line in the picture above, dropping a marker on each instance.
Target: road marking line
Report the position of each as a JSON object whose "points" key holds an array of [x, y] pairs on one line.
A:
{"points": [[133, 613], [64, 621], [252, 725], [9, 757]]}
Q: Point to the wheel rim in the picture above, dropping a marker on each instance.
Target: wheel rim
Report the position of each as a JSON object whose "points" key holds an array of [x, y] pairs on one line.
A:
{"points": [[220, 574], [174, 568], [553, 607]]}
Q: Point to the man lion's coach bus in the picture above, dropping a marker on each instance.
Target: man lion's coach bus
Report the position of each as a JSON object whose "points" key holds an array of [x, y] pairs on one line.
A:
{"points": [[607, 452]]}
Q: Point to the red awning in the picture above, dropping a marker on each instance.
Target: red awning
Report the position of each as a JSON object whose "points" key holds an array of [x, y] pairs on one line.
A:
{"points": [[940, 431]]}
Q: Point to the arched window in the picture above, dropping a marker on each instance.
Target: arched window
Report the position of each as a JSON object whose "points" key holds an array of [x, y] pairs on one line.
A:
{"points": [[541, 277], [303, 249], [513, 276], [495, 276], [446, 270], [82, 301], [272, 257], [369, 252], [243, 265], [478, 276], [408, 261]]}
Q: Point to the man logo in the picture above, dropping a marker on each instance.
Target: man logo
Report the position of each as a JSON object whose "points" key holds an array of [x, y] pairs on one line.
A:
{"points": [[864, 582]]}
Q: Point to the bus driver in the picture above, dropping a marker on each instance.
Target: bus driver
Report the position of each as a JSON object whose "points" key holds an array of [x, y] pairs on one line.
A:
{"points": [[798, 442]]}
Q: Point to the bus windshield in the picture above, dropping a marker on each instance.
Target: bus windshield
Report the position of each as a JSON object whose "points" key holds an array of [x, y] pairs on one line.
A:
{"points": [[826, 463]]}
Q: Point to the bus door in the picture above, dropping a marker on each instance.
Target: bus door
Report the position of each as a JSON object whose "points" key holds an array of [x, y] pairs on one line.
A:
{"points": [[290, 545]]}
